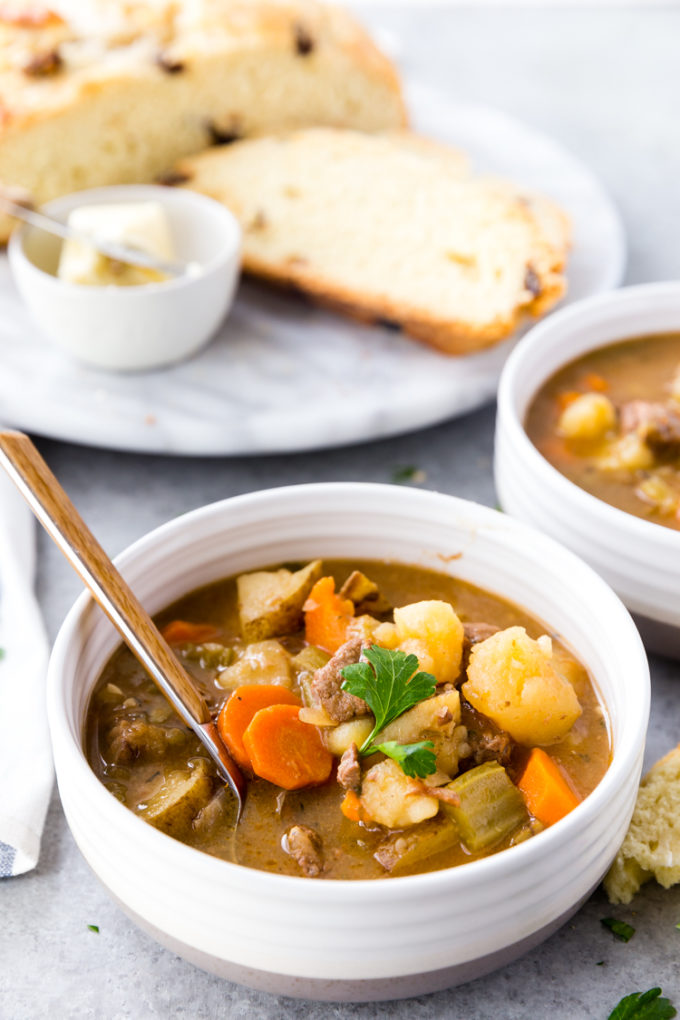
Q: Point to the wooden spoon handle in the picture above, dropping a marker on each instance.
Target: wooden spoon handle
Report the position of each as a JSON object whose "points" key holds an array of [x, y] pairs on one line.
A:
{"points": [[59, 517]]}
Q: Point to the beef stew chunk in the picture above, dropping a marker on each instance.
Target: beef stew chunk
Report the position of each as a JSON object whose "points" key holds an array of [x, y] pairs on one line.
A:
{"points": [[377, 742]]}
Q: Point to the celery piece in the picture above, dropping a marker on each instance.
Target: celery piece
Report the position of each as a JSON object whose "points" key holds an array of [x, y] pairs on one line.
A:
{"points": [[210, 655], [404, 850], [310, 659], [491, 806]]}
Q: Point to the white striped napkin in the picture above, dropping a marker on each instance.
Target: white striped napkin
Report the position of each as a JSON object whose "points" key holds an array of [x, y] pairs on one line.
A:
{"points": [[26, 772]]}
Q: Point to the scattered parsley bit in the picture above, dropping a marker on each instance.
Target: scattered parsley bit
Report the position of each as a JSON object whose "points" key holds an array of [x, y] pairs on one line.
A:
{"points": [[416, 760], [600, 963], [389, 684], [624, 932], [408, 473], [94, 928], [678, 926], [2, 653], [644, 1006]]}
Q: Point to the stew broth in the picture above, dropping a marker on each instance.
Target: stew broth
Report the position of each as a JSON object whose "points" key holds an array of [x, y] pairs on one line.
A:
{"points": [[634, 463], [124, 692]]}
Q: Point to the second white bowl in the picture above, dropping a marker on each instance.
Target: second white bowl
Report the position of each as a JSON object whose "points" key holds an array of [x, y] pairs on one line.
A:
{"points": [[639, 559]]}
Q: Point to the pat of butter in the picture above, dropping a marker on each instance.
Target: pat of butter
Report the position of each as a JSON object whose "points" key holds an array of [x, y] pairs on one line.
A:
{"points": [[141, 225]]}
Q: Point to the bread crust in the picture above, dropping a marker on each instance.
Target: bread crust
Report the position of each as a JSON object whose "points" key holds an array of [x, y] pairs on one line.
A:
{"points": [[449, 337], [651, 847], [161, 83], [292, 159]]}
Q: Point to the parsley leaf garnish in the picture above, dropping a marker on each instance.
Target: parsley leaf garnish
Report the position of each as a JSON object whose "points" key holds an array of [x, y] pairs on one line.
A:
{"points": [[94, 928], [644, 1006], [416, 760], [407, 473], [2, 653], [624, 932], [389, 684]]}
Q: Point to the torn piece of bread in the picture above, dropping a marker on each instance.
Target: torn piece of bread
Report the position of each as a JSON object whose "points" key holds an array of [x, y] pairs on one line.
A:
{"points": [[121, 89], [391, 227], [651, 848]]}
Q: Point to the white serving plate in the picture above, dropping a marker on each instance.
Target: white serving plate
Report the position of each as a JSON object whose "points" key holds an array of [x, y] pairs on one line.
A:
{"points": [[283, 375], [355, 940]]}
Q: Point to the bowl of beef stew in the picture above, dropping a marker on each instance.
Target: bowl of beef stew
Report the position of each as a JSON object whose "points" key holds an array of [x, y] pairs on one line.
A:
{"points": [[588, 444], [408, 824]]}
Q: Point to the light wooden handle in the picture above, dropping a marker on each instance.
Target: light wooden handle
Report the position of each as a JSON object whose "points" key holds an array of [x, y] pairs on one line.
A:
{"points": [[59, 517]]}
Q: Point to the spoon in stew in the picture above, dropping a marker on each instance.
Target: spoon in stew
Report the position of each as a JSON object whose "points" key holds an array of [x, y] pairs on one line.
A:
{"points": [[65, 526]]}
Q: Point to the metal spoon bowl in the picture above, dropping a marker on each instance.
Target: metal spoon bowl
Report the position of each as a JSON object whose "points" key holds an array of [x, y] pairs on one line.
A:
{"points": [[66, 528]]}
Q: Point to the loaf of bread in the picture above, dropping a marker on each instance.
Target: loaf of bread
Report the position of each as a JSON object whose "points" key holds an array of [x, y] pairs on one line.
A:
{"points": [[390, 227], [651, 848], [124, 89]]}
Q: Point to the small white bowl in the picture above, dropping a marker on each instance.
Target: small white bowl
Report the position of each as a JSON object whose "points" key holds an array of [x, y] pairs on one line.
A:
{"points": [[639, 559], [134, 328], [363, 940]]}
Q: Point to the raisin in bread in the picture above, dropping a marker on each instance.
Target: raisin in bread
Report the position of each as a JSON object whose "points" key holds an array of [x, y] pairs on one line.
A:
{"points": [[651, 848], [390, 227], [121, 90]]}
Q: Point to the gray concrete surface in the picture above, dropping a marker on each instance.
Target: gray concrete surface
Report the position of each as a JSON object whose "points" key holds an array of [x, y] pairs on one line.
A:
{"points": [[605, 82]]}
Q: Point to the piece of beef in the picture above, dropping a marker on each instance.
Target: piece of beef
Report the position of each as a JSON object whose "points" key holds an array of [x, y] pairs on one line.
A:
{"points": [[349, 769], [327, 683], [130, 739], [487, 741], [306, 847], [656, 423], [473, 633]]}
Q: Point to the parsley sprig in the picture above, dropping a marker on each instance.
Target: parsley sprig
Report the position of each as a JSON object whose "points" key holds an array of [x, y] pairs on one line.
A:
{"points": [[620, 929], [389, 684], [644, 1006]]}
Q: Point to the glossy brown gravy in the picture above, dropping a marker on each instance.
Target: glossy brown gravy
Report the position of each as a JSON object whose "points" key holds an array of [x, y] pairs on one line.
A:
{"points": [[633, 372], [269, 811]]}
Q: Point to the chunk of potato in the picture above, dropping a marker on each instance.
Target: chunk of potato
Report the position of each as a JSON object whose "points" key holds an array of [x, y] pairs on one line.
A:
{"points": [[173, 807], [270, 601], [338, 738], [436, 719], [263, 662], [433, 632], [512, 680], [629, 453], [590, 416], [394, 800]]}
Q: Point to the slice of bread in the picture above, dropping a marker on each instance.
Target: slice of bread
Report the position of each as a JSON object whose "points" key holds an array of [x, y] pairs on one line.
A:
{"points": [[651, 848], [390, 227], [119, 96]]}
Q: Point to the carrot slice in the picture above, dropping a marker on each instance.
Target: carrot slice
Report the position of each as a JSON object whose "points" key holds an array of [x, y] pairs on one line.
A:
{"points": [[547, 791], [179, 632], [285, 750], [238, 710], [567, 397], [353, 809], [327, 616], [596, 382]]}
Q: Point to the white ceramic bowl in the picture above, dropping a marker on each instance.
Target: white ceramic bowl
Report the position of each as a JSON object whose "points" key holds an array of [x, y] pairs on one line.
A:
{"points": [[363, 940], [639, 559], [134, 328]]}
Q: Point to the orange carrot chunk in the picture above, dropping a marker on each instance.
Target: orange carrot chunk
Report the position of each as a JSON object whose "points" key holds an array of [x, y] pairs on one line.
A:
{"points": [[327, 616], [353, 809], [547, 791], [180, 632], [596, 382], [567, 397], [238, 710], [285, 750]]}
